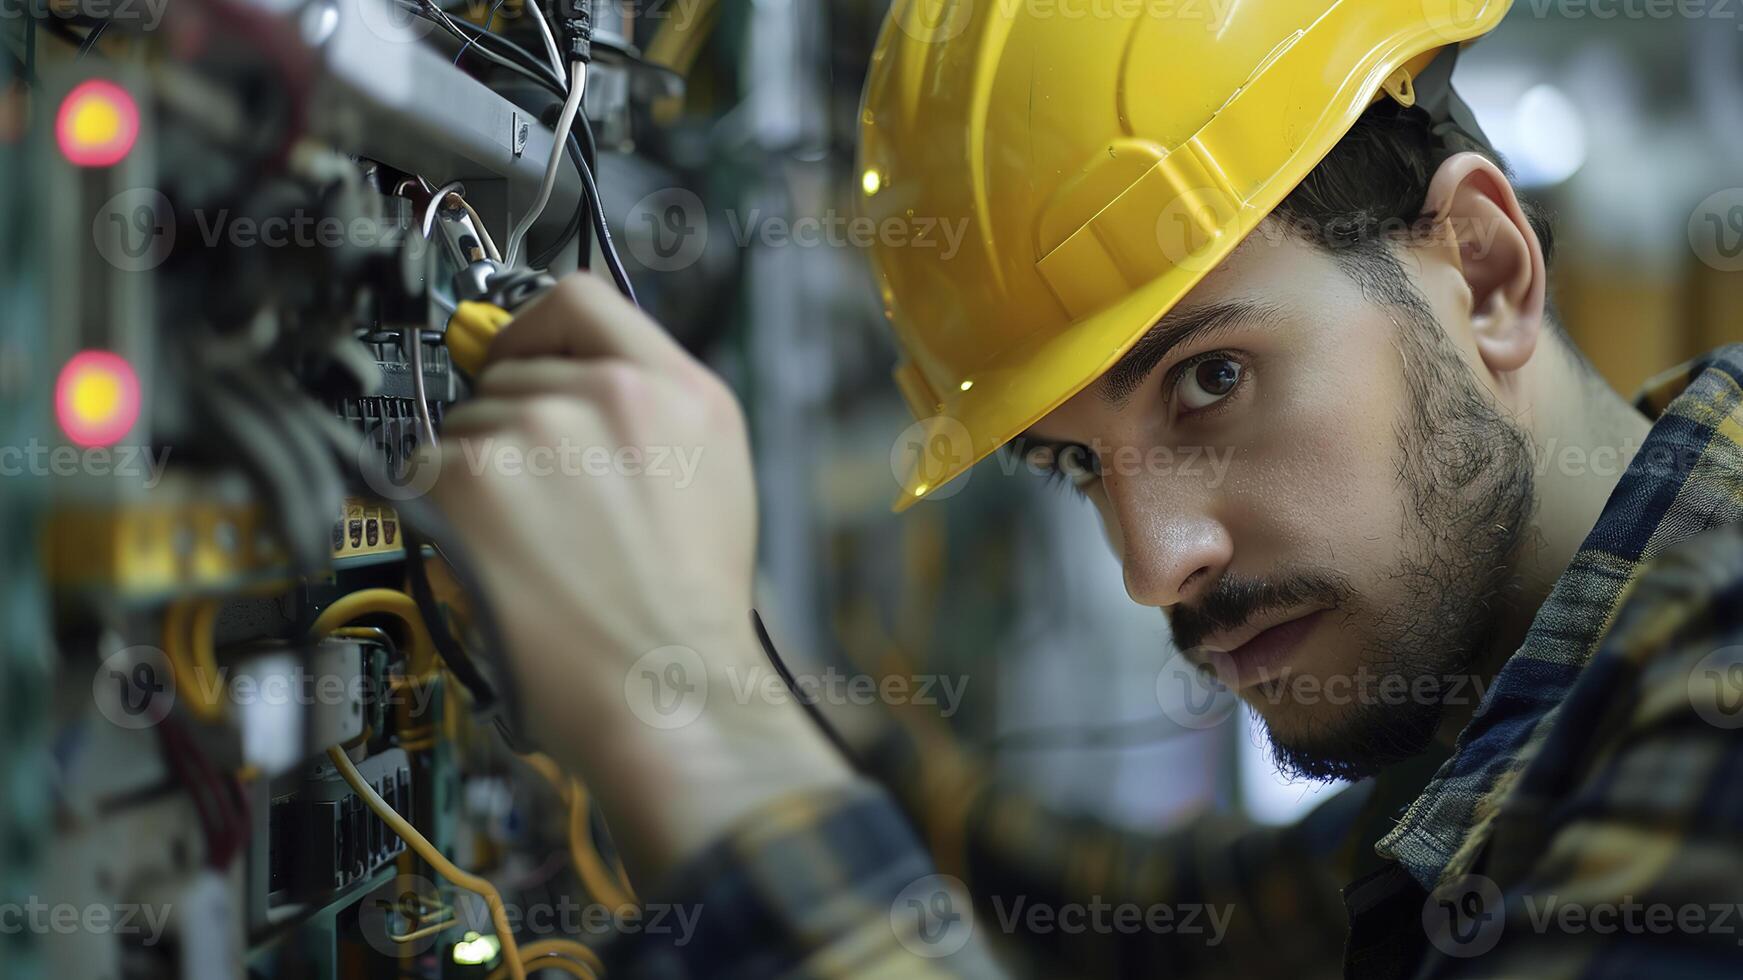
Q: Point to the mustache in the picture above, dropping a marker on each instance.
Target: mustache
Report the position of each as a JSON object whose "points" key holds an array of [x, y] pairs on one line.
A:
{"points": [[1235, 601]]}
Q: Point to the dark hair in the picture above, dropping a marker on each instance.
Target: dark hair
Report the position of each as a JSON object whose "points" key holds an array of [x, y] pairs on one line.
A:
{"points": [[1372, 186]]}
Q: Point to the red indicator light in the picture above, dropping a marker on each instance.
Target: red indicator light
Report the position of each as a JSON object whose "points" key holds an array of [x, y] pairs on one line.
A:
{"points": [[96, 398], [97, 125]]}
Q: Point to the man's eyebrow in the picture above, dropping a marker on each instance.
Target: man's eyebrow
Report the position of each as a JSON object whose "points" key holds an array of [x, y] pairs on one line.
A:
{"points": [[1173, 330]]}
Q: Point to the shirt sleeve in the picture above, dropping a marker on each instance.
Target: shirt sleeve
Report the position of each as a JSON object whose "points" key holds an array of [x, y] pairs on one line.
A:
{"points": [[844, 885], [830, 885]]}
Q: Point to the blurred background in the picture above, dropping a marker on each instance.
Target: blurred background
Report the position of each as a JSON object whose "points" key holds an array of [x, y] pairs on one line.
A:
{"points": [[1628, 127]]}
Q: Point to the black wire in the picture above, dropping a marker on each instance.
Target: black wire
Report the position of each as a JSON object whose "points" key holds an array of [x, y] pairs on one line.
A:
{"points": [[529, 66], [806, 701], [57, 27], [488, 21], [452, 651], [90, 41], [613, 260]]}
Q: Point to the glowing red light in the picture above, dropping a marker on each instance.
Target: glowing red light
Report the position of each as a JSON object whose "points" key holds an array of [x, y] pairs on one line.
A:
{"points": [[96, 398], [97, 125]]}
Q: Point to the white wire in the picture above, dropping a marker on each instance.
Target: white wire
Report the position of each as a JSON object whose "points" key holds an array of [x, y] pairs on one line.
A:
{"points": [[550, 39], [483, 232], [553, 166], [413, 342]]}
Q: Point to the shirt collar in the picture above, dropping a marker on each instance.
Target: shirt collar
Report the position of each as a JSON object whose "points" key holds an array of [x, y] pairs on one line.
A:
{"points": [[1682, 481]]}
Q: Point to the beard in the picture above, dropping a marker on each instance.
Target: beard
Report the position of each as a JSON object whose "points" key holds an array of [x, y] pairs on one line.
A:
{"points": [[1465, 472]]}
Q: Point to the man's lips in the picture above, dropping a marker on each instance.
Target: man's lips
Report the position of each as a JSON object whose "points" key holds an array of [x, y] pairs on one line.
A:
{"points": [[1262, 657]]}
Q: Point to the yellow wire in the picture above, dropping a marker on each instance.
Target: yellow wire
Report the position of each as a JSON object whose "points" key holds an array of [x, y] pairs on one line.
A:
{"points": [[428, 851], [564, 947], [589, 864], [597, 879], [677, 45], [679, 40], [570, 967], [383, 602], [194, 664]]}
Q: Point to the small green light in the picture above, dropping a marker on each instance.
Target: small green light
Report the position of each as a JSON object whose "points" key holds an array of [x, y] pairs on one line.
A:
{"points": [[476, 950]]}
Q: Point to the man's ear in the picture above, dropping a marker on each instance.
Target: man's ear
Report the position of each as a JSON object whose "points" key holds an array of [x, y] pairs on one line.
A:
{"points": [[1498, 257]]}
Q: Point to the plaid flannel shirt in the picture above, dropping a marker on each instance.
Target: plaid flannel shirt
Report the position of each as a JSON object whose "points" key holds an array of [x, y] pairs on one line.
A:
{"points": [[1588, 821]]}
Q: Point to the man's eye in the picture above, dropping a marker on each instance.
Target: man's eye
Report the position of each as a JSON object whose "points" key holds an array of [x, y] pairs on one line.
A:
{"points": [[1207, 381]]}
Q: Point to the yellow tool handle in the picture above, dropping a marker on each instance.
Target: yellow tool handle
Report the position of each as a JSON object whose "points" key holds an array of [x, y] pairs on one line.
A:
{"points": [[470, 331]]}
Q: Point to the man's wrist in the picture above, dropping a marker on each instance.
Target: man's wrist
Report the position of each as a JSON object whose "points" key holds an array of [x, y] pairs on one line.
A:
{"points": [[706, 742]]}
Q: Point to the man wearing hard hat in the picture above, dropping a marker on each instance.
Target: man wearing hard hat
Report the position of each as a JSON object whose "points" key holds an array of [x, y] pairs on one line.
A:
{"points": [[1276, 234]]}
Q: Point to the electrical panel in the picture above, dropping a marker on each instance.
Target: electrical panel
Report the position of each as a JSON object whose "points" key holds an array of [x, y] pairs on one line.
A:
{"points": [[230, 247]]}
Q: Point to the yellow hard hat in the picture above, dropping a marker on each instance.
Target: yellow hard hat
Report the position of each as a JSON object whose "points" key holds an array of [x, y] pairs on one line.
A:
{"points": [[1095, 158]]}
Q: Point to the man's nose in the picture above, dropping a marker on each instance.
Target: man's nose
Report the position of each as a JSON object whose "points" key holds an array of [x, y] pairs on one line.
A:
{"points": [[1172, 546]]}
